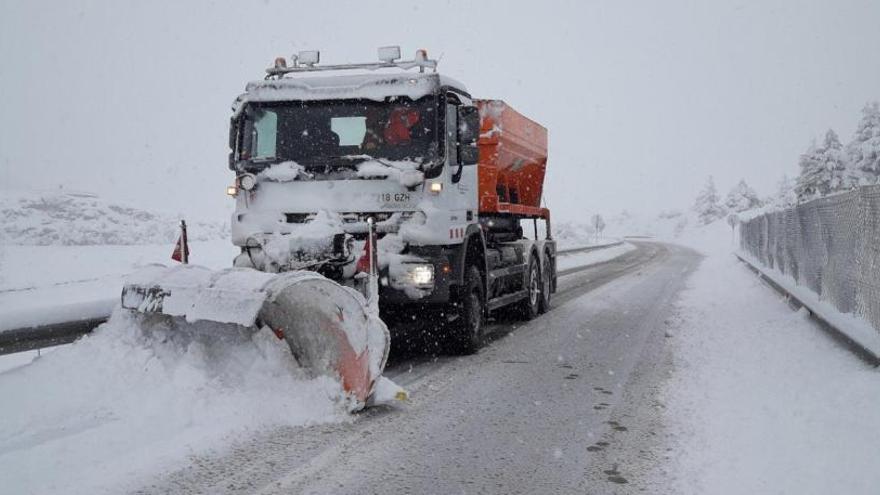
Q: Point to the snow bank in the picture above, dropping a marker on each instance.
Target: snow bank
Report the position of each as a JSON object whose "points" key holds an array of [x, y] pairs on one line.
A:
{"points": [[761, 400], [119, 406], [61, 218], [856, 328], [716, 238], [49, 284], [566, 261]]}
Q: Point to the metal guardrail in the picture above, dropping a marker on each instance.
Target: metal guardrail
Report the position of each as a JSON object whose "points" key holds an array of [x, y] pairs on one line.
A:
{"points": [[38, 337], [588, 248]]}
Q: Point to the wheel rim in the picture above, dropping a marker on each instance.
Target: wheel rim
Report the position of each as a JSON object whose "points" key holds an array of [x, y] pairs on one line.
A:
{"points": [[533, 286]]}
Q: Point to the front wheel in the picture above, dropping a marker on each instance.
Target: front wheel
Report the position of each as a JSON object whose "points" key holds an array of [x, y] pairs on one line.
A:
{"points": [[468, 329]]}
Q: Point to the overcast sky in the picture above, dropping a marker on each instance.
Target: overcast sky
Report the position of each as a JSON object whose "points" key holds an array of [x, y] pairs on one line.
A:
{"points": [[643, 100]]}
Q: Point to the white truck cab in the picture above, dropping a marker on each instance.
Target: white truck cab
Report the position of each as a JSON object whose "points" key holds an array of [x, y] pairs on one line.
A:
{"points": [[317, 155]]}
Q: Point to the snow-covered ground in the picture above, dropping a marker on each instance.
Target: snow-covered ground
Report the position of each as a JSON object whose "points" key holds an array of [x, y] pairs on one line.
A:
{"points": [[572, 235], [118, 406], [63, 255], [761, 400]]}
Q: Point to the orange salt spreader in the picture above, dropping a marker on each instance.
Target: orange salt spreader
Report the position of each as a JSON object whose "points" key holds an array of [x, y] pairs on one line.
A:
{"points": [[513, 160]]}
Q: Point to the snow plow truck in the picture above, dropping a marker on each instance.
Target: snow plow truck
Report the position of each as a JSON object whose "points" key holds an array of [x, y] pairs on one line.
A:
{"points": [[385, 168]]}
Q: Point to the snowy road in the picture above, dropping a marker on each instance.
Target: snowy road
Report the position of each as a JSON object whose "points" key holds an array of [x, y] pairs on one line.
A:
{"points": [[558, 405]]}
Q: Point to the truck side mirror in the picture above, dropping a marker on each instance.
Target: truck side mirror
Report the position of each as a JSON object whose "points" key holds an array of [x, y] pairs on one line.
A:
{"points": [[233, 137], [468, 133]]}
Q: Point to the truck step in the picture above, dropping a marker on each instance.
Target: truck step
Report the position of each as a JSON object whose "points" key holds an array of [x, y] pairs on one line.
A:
{"points": [[505, 272], [506, 299]]}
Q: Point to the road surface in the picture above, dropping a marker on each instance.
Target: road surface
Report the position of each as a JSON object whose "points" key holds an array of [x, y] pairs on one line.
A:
{"points": [[565, 403]]}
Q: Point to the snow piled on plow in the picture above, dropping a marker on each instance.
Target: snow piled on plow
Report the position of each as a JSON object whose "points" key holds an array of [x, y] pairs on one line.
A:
{"points": [[122, 405]]}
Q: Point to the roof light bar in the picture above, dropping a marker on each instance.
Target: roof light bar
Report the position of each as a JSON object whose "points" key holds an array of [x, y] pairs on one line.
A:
{"points": [[389, 54], [307, 61], [309, 58]]}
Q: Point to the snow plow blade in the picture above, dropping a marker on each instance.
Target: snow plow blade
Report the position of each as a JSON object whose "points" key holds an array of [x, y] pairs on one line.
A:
{"points": [[328, 327]]}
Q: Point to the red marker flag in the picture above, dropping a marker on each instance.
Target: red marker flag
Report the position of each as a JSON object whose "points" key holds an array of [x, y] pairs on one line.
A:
{"points": [[370, 254], [181, 249], [363, 264]]}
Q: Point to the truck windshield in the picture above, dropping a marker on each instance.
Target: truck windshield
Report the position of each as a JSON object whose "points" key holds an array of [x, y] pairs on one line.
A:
{"points": [[324, 136]]}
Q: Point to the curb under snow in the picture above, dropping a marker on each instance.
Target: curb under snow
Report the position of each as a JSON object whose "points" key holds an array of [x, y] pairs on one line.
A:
{"points": [[856, 334]]}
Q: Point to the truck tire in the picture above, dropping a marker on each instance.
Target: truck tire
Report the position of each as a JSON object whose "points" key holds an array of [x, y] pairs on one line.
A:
{"points": [[468, 330], [546, 274], [528, 307]]}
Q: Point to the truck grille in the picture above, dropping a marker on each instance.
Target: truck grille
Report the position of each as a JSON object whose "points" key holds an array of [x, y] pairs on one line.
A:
{"points": [[379, 216]]}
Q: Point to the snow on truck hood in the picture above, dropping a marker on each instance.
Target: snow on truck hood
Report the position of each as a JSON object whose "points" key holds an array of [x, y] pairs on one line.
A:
{"points": [[406, 172], [362, 86]]}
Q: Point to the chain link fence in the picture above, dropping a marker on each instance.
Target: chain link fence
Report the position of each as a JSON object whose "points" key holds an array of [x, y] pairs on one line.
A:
{"points": [[830, 245]]}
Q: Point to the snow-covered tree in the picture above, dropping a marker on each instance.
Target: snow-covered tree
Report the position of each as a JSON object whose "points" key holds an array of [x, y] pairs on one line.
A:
{"points": [[864, 150], [707, 206], [836, 162], [742, 198], [814, 180], [823, 169], [785, 196]]}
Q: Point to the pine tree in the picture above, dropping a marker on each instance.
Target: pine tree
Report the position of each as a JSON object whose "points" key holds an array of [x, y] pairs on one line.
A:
{"points": [[742, 198], [864, 150], [814, 180], [824, 169], [707, 205], [835, 162], [785, 195]]}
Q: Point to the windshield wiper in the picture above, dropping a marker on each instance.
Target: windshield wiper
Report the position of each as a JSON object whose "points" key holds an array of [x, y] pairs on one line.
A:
{"points": [[355, 159]]}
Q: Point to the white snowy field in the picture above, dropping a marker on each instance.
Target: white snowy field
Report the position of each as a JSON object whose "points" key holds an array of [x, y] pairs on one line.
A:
{"points": [[68, 218], [64, 255], [761, 400]]}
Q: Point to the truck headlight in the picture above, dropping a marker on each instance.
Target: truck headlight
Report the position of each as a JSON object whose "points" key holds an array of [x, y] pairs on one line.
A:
{"points": [[247, 181], [421, 274]]}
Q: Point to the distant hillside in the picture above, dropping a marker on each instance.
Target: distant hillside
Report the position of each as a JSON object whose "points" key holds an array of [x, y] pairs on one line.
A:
{"points": [[65, 218]]}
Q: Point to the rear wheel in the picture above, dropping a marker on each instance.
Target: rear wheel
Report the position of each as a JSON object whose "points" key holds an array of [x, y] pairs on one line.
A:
{"points": [[546, 273], [528, 307], [468, 327]]}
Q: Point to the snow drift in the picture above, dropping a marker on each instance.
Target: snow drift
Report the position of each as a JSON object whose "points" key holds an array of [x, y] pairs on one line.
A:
{"points": [[123, 404]]}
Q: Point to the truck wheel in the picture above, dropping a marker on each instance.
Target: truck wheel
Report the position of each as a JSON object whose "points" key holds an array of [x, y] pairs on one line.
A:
{"points": [[528, 307], [544, 301], [469, 325]]}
